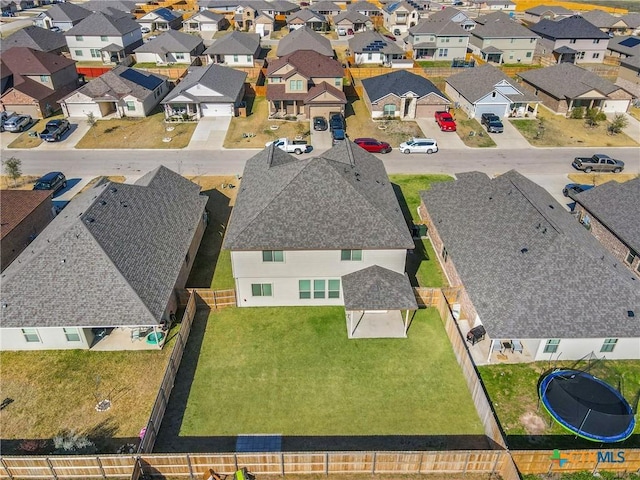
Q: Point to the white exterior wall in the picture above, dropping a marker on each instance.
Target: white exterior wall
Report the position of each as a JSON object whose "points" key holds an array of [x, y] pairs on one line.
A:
{"points": [[87, 43], [456, 47], [363, 58], [588, 47], [148, 57], [242, 61], [249, 268], [50, 339], [577, 348], [616, 106]]}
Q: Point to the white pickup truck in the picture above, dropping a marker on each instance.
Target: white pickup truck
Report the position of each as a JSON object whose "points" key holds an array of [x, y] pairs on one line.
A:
{"points": [[291, 146]]}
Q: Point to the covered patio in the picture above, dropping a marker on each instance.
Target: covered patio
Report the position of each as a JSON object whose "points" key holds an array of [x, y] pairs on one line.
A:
{"points": [[565, 54], [374, 300], [112, 53], [492, 54]]}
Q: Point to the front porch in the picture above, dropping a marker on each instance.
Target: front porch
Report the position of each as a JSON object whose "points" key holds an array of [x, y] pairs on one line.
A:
{"points": [[182, 112], [287, 108], [524, 109]]}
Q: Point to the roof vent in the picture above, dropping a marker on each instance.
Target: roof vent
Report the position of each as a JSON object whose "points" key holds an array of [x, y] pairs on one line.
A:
{"points": [[102, 202], [123, 204], [63, 260], [524, 250], [113, 189], [551, 207], [630, 313], [90, 220], [490, 198]]}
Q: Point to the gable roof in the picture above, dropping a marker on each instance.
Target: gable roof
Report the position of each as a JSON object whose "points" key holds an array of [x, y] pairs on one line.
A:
{"points": [[308, 63], [500, 25], [108, 6], [566, 80], [162, 13], [133, 238], [475, 83], [401, 5], [600, 18], [340, 200], [98, 24], [236, 42], [226, 81], [362, 6], [324, 6], [439, 27], [362, 40], [616, 206], [26, 61], [305, 15], [351, 16], [67, 12], [447, 14], [532, 292], [632, 19], [555, 9], [304, 38], [16, 205], [625, 44], [378, 288], [206, 16], [36, 38], [170, 41], [399, 83], [567, 28]]}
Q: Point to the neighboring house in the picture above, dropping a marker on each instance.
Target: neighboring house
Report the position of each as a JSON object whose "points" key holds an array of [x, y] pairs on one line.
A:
{"points": [[249, 10], [304, 39], [299, 228], [512, 231], [609, 211], [205, 21], [138, 239], [437, 40], [36, 38], [499, 39], [161, 19], [111, 7], [401, 15], [325, 7], [606, 22], [365, 8], [450, 14], [352, 20], [170, 47], [624, 46], [62, 15], [571, 39], [306, 17], [403, 95], [39, 81], [306, 83], [103, 37], [8, 7], [486, 89], [629, 76], [235, 49], [211, 91], [546, 12], [566, 86], [24, 213], [264, 24], [632, 20], [371, 47], [507, 5], [122, 92]]}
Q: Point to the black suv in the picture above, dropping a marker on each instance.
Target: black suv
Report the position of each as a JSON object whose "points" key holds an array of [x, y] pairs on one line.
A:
{"points": [[492, 122], [51, 181], [319, 123], [336, 122]]}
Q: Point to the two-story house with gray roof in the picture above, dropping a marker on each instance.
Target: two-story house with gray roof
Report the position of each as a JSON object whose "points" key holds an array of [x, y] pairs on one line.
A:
{"points": [[372, 47], [170, 47], [401, 15], [304, 38], [549, 12], [62, 15], [120, 251], [235, 49], [301, 227], [437, 40], [571, 39], [499, 39], [536, 307], [36, 38]]}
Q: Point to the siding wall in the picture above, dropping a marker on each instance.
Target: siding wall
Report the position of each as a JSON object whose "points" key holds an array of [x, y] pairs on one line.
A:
{"points": [[50, 339]]}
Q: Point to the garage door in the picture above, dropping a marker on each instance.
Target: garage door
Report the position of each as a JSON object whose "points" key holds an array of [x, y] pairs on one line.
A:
{"points": [[427, 111], [615, 106], [81, 109], [495, 109], [216, 109], [323, 111]]}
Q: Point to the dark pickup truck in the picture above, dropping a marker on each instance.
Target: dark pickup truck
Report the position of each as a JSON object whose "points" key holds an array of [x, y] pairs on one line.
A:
{"points": [[598, 163], [54, 130], [492, 122]]}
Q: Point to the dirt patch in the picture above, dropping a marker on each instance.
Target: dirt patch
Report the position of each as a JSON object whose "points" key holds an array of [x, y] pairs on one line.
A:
{"points": [[600, 178], [533, 423], [25, 182]]}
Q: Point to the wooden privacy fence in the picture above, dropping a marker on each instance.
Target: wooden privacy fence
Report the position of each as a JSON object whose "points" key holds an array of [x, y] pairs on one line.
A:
{"points": [[207, 297]]}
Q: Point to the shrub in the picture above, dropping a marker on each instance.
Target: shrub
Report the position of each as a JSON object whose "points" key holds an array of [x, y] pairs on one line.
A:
{"points": [[577, 113], [618, 123], [70, 441]]}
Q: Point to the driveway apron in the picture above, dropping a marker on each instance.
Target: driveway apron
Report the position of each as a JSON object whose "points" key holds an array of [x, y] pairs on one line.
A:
{"points": [[510, 138], [209, 134], [446, 140]]}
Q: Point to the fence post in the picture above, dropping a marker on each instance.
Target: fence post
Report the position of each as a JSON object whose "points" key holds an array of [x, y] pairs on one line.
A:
{"points": [[282, 463], [4, 466], [326, 463], [190, 467], [104, 475], [235, 460], [373, 464], [466, 463], [53, 472]]}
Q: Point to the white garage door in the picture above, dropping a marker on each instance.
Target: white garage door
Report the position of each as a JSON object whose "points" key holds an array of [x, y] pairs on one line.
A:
{"points": [[216, 109], [615, 106], [495, 109], [209, 27], [81, 109]]}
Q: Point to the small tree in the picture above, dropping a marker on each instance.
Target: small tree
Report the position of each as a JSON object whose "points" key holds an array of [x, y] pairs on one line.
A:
{"points": [[577, 113], [618, 123], [91, 121], [594, 116], [13, 168]]}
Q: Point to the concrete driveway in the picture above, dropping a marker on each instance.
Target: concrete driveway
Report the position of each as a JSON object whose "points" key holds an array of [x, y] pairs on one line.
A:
{"points": [[320, 140], [79, 128], [510, 138], [554, 185], [209, 134], [446, 140]]}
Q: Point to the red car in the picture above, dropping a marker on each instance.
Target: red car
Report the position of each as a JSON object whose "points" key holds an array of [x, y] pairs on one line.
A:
{"points": [[372, 145]]}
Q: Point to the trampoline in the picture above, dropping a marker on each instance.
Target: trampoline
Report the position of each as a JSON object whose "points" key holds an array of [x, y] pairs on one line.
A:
{"points": [[587, 406]]}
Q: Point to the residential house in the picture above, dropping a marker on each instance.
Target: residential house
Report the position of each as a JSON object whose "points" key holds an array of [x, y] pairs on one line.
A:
{"points": [[112, 7], [218, 6], [507, 5], [299, 228], [161, 19], [437, 40], [450, 14], [629, 76], [170, 47], [249, 10], [365, 8], [140, 239], [62, 15], [571, 39], [24, 213], [514, 232], [211, 91], [624, 46], [325, 7], [304, 39], [403, 95], [306, 17], [305, 83], [103, 37], [401, 15], [371, 47], [606, 22], [8, 7], [548, 12], [205, 21], [39, 80], [36, 38], [121, 92], [499, 39], [264, 24], [632, 20], [352, 20], [235, 49], [486, 89], [565, 86]]}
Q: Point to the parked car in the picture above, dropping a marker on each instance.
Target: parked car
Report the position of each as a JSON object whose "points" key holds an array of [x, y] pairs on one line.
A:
{"points": [[573, 188], [445, 121], [390, 37], [492, 122], [598, 163], [319, 123], [7, 13], [54, 129], [372, 145], [4, 116], [341, 31], [336, 121], [51, 181], [145, 30], [291, 146], [17, 123], [350, 31], [396, 32], [56, 29], [419, 145], [338, 135]]}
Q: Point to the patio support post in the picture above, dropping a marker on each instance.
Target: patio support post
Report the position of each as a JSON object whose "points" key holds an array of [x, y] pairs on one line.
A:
{"points": [[406, 322], [155, 334]]}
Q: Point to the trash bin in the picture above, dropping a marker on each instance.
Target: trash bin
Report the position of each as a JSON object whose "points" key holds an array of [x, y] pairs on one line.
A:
{"points": [[420, 231]]}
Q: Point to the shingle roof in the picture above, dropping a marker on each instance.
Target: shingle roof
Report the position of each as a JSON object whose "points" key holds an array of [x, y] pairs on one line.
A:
{"points": [[236, 42], [206, 16], [555, 9], [475, 83], [324, 6], [378, 288], [438, 27], [600, 18], [447, 14], [399, 83], [517, 252], [67, 12], [625, 44], [616, 205], [108, 6], [500, 25], [131, 238], [632, 19], [362, 6], [98, 24], [36, 38], [226, 81], [308, 63], [16, 205], [567, 80], [26, 61], [363, 39], [402, 4], [162, 13], [569, 27], [352, 16], [631, 62], [305, 15], [170, 41], [340, 200], [304, 38]]}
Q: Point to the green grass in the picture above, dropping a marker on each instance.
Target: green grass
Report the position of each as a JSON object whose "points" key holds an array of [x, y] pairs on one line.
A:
{"points": [[434, 63], [410, 185], [429, 273], [294, 371], [222, 275]]}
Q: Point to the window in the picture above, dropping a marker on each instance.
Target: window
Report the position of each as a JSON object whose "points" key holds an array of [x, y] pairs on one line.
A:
{"points": [[95, 53], [580, 56], [79, 38], [261, 290], [104, 38], [596, 55], [596, 40], [295, 85], [131, 106], [249, 59], [78, 53], [369, 56], [334, 289], [573, 40], [31, 335], [445, 254], [552, 345], [389, 110], [304, 289], [72, 334], [631, 256], [338, 82], [608, 345], [235, 59], [528, 55], [443, 52], [44, 78], [179, 56], [445, 40], [351, 255], [318, 288], [273, 256]]}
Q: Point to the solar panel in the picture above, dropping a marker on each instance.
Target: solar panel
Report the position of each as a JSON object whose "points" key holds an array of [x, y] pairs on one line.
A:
{"points": [[630, 42], [149, 82]]}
